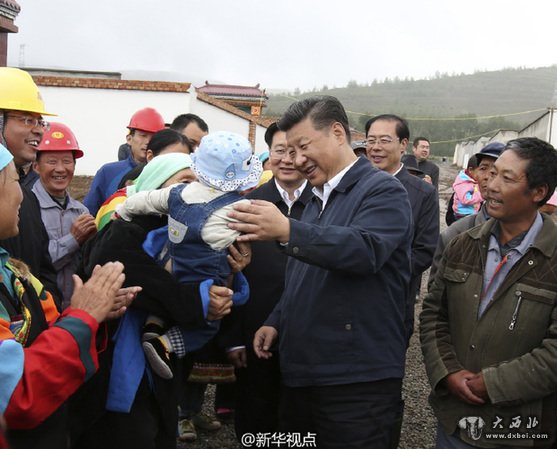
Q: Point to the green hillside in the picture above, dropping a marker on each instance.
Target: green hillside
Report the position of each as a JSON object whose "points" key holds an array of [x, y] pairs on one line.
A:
{"points": [[483, 94]]}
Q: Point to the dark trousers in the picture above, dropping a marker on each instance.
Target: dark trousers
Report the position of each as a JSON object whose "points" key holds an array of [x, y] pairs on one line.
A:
{"points": [[142, 428], [364, 415], [258, 389], [414, 288], [192, 399]]}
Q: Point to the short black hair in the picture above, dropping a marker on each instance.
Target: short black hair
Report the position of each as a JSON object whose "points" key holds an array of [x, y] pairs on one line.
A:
{"points": [[323, 111], [417, 141], [270, 133], [542, 165], [183, 120], [402, 129], [165, 137]]}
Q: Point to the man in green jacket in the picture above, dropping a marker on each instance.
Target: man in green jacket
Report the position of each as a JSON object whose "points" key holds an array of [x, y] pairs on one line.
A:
{"points": [[489, 322]]}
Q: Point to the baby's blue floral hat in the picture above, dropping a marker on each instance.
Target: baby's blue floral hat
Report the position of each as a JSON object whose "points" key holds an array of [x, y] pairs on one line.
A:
{"points": [[226, 162]]}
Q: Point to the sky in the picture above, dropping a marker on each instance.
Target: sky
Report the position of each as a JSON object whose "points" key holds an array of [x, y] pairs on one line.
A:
{"points": [[285, 44]]}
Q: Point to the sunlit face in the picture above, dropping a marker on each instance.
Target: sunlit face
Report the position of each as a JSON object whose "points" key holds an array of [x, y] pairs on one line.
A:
{"points": [[194, 133], [282, 163], [138, 141], [317, 152], [21, 139], [384, 148], [421, 151], [56, 169], [184, 176], [508, 197], [11, 195]]}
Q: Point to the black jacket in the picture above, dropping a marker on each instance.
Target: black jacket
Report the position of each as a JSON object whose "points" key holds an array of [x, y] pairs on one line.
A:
{"points": [[425, 213], [265, 273], [154, 412], [162, 294]]}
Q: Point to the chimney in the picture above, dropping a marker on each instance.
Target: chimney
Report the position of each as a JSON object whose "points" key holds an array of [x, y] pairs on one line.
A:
{"points": [[9, 9]]}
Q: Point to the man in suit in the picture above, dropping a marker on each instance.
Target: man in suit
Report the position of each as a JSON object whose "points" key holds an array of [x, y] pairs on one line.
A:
{"points": [[387, 137]]}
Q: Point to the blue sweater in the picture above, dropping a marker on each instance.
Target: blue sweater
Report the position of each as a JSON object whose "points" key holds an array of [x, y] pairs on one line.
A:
{"points": [[340, 318]]}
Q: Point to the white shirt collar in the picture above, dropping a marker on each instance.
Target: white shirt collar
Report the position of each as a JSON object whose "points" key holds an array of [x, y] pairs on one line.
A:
{"points": [[325, 192], [399, 168], [284, 194]]}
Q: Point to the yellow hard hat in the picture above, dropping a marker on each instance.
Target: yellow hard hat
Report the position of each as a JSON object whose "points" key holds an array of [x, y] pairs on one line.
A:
{"points": [[18, 92], [265, 177]]}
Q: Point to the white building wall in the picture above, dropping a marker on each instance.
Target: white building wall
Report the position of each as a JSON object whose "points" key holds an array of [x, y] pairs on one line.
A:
{"points": [[98, 118], [504, 136], [545, 128], [539, 129], [260, 144], [219, 119]]}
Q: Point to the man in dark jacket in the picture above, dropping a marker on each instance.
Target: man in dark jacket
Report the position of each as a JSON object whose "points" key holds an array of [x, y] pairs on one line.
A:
{"points": [[387, 137], [259, 379], [340, 319], [489, 323], [420, 148], [21, 128]]}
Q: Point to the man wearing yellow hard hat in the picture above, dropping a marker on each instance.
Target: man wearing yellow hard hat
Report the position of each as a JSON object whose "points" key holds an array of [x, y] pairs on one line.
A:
{"points": [[21, 130]]}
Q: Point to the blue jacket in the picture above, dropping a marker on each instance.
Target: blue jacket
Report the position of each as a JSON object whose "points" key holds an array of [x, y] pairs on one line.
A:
{"points": [[105, 183], [340, 318]]}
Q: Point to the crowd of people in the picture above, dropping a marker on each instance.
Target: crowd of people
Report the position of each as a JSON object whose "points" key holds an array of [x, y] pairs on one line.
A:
{"points": [[289, 280]]}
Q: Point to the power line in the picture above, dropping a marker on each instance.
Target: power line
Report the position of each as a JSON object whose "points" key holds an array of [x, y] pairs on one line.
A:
{"points": [[448, 119]]}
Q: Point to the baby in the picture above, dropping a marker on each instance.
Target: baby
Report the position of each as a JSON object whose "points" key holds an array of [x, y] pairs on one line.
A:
{"points": [[198, 235]]}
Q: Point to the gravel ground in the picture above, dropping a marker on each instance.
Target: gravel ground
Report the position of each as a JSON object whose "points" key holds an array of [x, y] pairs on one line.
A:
{"points": [[418, 428]]}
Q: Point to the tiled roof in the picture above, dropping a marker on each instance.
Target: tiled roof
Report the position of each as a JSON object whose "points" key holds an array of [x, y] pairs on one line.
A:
{"points": [[102, 83], [268, 120], [9, 9], [11, 4], [229, 108], [232, 90]]}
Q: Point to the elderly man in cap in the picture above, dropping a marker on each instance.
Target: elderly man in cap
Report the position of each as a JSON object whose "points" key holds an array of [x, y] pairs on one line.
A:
{"points": [[485, 158], [489, 323], [67, 221], [359, 148]]}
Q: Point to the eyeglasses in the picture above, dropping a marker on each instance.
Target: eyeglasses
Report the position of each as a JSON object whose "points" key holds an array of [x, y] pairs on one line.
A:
{"points": [[383, 141], [32, 122], [279, 153]]}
